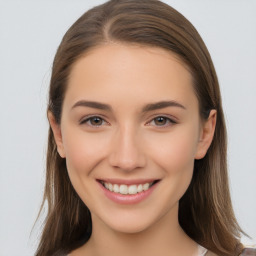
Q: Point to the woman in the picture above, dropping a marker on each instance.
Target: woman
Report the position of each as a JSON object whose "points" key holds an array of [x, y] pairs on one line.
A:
{"points": [[136, 161]]}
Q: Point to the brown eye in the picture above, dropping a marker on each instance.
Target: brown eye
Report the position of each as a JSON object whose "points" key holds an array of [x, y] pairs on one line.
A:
{"points": [[93, 121], [159, 121], [162, 121], [96, 121]]}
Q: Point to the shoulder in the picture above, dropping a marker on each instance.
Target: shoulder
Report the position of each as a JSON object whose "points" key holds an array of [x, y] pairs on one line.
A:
{"points": [[245, 252], [248, 252], [210, 254]]}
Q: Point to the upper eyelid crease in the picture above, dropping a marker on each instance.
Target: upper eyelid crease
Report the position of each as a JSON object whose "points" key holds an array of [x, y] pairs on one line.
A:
{"points": [[170, 120], [165, 115], [87, 119]]}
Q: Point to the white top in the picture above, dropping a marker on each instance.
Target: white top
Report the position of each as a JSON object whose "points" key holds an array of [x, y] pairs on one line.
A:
{"points": [[201, 251]]}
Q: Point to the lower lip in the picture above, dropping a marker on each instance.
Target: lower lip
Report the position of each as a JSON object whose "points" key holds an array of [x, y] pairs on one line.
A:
{"points": [[128, 199]]}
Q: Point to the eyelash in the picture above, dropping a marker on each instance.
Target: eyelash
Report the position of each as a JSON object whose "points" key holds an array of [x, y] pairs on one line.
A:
{"points": [[88, 121], [169, 121]]}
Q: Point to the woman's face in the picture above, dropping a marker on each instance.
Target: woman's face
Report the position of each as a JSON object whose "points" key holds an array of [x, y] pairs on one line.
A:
{"points": [[130, 123]]}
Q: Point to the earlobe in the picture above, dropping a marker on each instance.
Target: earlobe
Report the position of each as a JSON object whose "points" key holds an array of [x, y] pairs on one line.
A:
{"points": [[206, 135], [57, 134]]}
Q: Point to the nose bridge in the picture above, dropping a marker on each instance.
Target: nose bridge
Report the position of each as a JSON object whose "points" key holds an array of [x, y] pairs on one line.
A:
{"points": [[127, 153]]}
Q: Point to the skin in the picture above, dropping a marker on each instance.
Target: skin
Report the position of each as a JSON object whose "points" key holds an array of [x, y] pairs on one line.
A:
{"points": [[128, 143]]}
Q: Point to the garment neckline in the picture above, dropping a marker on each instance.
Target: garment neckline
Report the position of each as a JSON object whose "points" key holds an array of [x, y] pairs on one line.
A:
{"points": [[201, 250]]}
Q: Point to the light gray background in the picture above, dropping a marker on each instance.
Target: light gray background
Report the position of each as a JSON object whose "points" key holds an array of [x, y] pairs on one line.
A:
{"points": [[30, 32]]}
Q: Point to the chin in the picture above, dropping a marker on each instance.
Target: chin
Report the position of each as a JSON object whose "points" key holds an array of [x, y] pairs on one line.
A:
{"points": [[130, 228], [130, 223]]}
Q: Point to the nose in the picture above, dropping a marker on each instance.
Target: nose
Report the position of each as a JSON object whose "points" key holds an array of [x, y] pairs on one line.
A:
{"points": [[127, 151]]}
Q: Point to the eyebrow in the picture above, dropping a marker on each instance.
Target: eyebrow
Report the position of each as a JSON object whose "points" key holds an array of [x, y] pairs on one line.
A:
{"points": [[162, 104], [92, 104], [146, 108]]}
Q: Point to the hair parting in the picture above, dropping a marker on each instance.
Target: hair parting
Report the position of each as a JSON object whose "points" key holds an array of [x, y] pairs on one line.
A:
{"points": [[205, 212]]}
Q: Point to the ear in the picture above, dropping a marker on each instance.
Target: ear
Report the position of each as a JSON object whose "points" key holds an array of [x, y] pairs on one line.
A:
{"points": [[57, 134], [206, 135]]}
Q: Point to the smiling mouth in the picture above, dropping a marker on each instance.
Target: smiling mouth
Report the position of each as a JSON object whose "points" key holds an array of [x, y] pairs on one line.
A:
{"points": [[124, 189]]}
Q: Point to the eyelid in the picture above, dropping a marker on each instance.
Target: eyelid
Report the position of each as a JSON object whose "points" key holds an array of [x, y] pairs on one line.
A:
{"points": [[172, 120], [85, 119]]}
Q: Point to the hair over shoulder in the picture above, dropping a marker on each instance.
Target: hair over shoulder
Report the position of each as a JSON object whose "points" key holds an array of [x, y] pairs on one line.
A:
{"points": [[205, 211]]}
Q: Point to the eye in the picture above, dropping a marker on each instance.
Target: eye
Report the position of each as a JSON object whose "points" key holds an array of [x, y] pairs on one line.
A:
{"points": [[162, 121], [94, 121]]}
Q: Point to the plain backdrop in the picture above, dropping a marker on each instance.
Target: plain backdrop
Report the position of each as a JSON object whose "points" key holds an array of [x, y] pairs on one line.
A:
{"points": [[30, 32]]}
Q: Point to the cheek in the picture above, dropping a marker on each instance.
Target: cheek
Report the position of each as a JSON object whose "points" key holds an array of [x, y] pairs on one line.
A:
{"points": [[83, 150], [176, 151], [175, 156], [176, 159]]}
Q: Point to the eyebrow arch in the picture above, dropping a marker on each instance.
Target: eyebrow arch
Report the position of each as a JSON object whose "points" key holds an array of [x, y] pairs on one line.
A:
{"points": [[161, 104], [92, 104], [146, 108]]}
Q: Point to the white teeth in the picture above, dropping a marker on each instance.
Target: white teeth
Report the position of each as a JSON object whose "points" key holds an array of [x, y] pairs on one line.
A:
{"points": [[126, 189], [116, 188], [140, 188], [132, 190], [146, 186], [123, 189]]}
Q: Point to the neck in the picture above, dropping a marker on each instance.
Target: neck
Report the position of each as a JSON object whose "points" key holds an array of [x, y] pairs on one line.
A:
{"points": [[165, 237]]}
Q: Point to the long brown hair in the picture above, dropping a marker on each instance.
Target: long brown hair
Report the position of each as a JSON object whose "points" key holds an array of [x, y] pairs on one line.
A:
{"points": [[205, 211]]}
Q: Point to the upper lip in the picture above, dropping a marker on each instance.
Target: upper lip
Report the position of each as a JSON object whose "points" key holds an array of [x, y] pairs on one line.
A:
{"points": [[128, 182]]}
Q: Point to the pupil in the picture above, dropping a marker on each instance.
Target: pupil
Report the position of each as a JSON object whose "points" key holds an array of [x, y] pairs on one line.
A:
{"points": [[96, 121], [160, 120]]}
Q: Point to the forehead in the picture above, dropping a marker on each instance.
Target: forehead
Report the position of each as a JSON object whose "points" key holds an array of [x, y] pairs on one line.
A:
{"points": [[113, 71]]}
